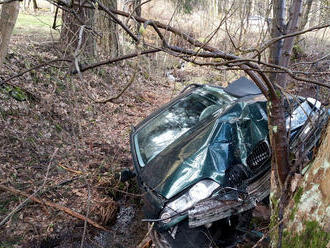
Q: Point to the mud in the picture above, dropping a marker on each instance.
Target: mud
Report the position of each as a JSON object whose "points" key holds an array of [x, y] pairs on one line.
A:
{"points": [[128, 231]]}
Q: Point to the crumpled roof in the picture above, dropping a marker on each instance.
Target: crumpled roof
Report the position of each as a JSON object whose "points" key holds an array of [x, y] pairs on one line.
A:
{"points": [[207, 152]]}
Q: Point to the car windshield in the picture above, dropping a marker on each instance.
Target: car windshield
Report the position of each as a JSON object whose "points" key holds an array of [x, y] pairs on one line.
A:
{"points": [[173, 122]]}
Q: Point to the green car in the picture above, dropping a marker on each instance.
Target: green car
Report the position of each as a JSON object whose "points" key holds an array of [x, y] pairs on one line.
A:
{"points": [[203, 160]]}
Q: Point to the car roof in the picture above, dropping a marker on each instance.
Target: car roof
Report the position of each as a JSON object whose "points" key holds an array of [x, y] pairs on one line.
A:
{"points": [[242, 87]]}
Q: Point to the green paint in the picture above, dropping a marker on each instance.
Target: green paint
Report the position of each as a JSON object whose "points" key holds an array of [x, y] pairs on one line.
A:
{"points": [[313, 236]]}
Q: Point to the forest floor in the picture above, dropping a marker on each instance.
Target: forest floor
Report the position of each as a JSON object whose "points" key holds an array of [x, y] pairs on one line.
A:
{"points": [[57, 141]]}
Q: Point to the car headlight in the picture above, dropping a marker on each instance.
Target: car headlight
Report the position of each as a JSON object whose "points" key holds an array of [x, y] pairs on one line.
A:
{"points": [[196, 193]]}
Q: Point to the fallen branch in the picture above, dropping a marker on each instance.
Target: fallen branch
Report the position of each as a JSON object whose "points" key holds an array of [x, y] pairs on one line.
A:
{"points": [[33, 68], [146, 242], [21, 205], [53, 205], [69, 169], [121, 92]]}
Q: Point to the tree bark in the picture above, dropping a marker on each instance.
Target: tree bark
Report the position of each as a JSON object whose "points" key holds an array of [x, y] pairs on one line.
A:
{"points": [[104, 38], [280, 54], [305, 17], [279, 8], [70, 30], [9, 13], [291, 27], [307, 216], [107, 42]]}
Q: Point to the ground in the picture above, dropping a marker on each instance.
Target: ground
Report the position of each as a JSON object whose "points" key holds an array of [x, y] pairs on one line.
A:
{"points": [[51, 122], [56, 139]]}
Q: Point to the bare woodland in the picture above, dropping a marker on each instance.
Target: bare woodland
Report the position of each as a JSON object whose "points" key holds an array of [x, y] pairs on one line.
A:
{"points": [[69, 97]]}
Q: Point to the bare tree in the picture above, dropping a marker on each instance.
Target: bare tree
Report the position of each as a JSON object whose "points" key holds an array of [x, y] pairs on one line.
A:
{"points": [[272, 85], [9, 13]]}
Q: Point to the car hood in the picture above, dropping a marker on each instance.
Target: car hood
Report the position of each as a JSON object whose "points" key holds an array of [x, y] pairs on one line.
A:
{"points": [[209, 150]]}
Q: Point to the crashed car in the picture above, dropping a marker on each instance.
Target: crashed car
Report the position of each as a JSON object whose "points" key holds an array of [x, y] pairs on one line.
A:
{"points": [[203, 160]]}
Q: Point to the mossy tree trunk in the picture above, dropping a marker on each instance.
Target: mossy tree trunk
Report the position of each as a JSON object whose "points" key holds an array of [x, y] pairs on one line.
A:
{"points": [[307, 216], [280, 54]]}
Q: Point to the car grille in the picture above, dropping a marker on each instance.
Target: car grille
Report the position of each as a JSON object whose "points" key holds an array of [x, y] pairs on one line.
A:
{"points": [[259, 155]]}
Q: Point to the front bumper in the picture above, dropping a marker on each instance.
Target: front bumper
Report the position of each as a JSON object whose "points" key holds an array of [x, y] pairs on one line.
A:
{"points": [[214, 209]]}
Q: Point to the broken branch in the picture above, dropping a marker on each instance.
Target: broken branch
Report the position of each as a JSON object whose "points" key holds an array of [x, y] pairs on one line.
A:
{"points": [[53, 205]]}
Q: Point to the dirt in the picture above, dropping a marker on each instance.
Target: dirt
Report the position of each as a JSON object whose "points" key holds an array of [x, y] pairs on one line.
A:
{"points": [[59, 127], [50, 121], [91, 140]]}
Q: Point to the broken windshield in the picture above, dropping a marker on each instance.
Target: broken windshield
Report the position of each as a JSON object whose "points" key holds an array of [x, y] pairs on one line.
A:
{"points": [[173, 122]]}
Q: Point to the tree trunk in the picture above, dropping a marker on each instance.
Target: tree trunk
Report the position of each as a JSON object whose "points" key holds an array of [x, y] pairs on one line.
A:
{"points": [[277, 30], [71, 27], [9, 13], [104, 41], [107, 42], [280, 54], [307, 216], [35, 5], [305, 18]]}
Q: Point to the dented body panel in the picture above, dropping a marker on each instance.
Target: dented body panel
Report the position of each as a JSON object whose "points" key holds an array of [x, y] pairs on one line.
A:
{"points": [[213, 141]]}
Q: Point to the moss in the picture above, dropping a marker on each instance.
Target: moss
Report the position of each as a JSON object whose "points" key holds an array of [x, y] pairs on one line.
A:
{"points": [[296, 199], [298, 195], [274, 217], [278, 93], [313, 236], [297, 52]]}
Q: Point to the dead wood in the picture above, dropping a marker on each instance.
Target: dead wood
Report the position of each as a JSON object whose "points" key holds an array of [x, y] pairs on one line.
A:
{"points": [[53, 205]]}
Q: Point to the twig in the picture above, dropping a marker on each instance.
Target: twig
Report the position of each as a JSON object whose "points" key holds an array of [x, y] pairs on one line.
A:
{"points": [[69, 169], [53, 205], [254, 68], [122, 91], [272, 41], [55, 18], [34, 68], [9, 1], [266, 235], [87, 214], [146, 241], [76, 52], [21, 205], [110, 12], [114, 60], [312, 62]]}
